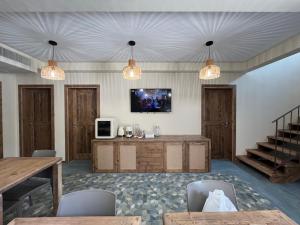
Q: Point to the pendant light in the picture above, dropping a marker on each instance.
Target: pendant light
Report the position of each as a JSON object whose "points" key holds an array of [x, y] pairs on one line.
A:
{"points": [[52, 71], [210, 70], [132, 71]]}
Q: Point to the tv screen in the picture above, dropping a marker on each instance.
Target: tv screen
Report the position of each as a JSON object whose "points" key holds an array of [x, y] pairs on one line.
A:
{"points": [[151, 100]]}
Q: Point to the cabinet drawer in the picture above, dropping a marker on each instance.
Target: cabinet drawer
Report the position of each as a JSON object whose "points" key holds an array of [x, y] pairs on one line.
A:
{"points": [[150, 157]]}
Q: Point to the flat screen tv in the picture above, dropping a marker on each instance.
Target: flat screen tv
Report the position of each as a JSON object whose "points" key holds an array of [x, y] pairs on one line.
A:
{"points": [[151, 100]]}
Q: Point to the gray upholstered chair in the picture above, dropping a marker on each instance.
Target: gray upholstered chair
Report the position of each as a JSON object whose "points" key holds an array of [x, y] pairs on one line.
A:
{"points": [[197, 193], [12, 205], [44, 153], [48, 172], [24, 190], [88, 203]]}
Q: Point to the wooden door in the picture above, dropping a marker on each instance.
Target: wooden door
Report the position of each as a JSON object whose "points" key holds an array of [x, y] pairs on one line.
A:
{"points": [[36, 118], [82, 108], [218, 119], [1, 126]]}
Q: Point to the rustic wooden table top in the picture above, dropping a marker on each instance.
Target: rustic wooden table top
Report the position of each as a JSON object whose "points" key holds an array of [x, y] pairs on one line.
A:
{"points": [[264, 217], [97, 220], [15, 170]]}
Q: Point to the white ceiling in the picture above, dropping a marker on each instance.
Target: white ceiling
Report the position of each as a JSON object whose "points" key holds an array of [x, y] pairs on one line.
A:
{"points": [[160, 37], [150, 6]]}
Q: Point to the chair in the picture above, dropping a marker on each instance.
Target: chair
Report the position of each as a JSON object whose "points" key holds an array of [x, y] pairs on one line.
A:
{"points": [[48, 172], [12, 205], [25, 190], [44, 153], [197, 193], [88, 203]]}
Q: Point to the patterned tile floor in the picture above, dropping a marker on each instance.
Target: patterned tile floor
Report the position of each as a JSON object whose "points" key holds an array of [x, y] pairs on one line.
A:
{"points": [[148, 195]]}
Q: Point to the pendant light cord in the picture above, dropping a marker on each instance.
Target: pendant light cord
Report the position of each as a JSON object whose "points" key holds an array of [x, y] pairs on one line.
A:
{"points": [[131, 52], [52, 52], [208, 52]]}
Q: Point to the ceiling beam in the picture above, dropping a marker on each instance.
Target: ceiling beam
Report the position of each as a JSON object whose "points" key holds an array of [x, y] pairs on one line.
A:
{"points": [[150, 6], [284, 49]]}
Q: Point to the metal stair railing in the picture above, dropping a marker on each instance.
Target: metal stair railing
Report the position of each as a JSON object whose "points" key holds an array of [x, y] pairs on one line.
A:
{"points": [[282, 119]]}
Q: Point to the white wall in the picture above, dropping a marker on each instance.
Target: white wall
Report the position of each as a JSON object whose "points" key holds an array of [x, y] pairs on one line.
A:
{"points": [[10, 115], [185, 117], [262, 96]]}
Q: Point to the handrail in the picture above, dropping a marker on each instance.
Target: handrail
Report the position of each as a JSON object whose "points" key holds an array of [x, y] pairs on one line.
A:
{"points": [[288, 139], [286, 114]]}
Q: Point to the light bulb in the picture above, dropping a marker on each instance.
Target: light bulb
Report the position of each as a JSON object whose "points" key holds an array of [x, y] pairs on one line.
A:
{"points": [[131, 73], [52, 73], [209, 72]]}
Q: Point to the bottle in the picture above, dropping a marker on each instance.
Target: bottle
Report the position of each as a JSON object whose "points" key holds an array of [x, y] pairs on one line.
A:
{"points": [[156, 130]]}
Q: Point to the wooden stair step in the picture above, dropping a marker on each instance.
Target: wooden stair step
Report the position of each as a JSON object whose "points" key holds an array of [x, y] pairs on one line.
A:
{"points": [[279, 148], [294, 124], [297, 132], [264, 155], [270, 157], [286, 140], [260, 166]]}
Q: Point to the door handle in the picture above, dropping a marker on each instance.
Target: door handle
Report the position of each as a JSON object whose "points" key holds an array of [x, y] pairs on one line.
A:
{"points": [[226, 124]]}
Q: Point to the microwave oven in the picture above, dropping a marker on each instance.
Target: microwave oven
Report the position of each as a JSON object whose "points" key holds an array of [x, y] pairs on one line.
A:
{"points": [[105, 128]]}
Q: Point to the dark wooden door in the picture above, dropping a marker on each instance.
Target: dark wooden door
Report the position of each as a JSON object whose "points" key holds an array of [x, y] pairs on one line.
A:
{"points": [[82, 108], [36, 112], [1, 128], [218, 119]]}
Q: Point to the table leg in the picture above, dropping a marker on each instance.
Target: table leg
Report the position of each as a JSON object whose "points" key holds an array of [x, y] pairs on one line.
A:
{"points": [[1, 209], [57, 185]]}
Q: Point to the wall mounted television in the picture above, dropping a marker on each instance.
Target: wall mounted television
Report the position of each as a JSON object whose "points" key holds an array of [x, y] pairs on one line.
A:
{"points": [[151, 100]]}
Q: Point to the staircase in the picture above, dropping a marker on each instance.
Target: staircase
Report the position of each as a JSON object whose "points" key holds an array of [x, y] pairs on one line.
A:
{"points": [[279, 158]]}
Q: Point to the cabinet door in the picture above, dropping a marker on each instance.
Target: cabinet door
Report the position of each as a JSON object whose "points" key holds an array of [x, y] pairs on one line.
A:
{"points": [[150, 157], [104, 157], [127, 158], [174, 156], [198, 157]]}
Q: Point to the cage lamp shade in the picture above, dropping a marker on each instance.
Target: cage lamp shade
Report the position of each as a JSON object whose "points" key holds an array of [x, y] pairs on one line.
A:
{"points": [[209, 71], [52, 71], [132, 71]]}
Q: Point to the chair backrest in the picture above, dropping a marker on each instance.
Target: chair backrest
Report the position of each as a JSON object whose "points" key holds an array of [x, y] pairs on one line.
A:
{"points": [[197, 193], [44, 153], [88, 203]]}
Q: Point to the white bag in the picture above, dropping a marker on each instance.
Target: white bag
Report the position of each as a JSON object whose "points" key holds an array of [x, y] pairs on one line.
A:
{"points": [[217, 201]]}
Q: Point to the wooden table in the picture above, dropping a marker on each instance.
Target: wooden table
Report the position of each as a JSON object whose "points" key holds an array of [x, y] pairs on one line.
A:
{"points": [[265, 217], [14, 171], [96, 220]]}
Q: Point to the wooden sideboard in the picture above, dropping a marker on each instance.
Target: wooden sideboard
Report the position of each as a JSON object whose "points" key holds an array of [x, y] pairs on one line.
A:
{"points": [[168, 153]]}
